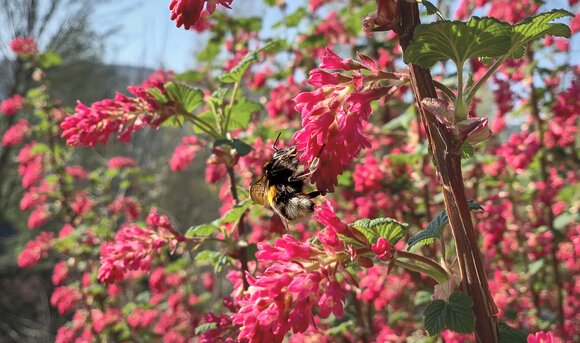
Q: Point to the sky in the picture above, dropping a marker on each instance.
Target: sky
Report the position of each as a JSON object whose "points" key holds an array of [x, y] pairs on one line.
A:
{"points": [[146, 37]]}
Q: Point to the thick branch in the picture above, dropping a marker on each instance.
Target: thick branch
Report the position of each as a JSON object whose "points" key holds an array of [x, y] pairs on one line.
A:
{"points": [[446, 153]]}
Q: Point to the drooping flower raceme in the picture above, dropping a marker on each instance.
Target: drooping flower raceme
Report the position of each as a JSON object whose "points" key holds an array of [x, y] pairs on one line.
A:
{"points": [[134, 246], [122, 114], [16, 133], [334, 115]]}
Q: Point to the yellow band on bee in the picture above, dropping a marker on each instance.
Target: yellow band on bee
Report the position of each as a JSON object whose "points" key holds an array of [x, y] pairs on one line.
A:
{"points": [[271, 194]]}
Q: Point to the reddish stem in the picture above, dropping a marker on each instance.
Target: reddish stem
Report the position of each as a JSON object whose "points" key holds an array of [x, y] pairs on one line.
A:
{"points": [[446, 153]]}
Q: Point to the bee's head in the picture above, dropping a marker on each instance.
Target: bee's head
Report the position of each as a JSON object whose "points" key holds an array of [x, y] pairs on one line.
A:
{"points": [[285, 152]]}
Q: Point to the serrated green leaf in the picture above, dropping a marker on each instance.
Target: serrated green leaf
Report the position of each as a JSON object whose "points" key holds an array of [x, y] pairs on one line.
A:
{"points": [[242, 113], [534, 28], [237, 72], [422, 297], [458, 41], [460, 316], [507, 334], [207, 256], [456, 315], [201, 328], [234, 215], [204, 230], [50, 59], [189, 98], [435, 227], [388, 228], [435, 317], [158, 95]]}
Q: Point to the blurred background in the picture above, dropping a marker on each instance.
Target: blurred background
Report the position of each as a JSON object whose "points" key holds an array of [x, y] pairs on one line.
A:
{"points": [[106, 46]]}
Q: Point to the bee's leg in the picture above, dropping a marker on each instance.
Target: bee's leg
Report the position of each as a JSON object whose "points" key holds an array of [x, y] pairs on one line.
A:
{"points": [[313, 194], [301, 177]]}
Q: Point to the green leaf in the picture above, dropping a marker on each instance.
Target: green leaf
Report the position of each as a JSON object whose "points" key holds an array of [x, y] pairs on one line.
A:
{"points": [[460, 316], [237, 72], [203, 230], [159, 96], [234, 215], [211, 51], [435, 317], [467, 151], [241, 147], [189, 98], [191, 76], [388, 228], [456, 315], [242, 113], [49, 59], [534, 28], [507, 334], [295, 18], [251, 250], [209, 118], [536, 266], [201, 328], [458, 41], [435, 227]]}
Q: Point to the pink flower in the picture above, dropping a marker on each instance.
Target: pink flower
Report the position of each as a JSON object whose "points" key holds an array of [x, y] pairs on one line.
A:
{"points": [[66, 230], [65, 298], [335, 115], [59, 273], [134, 247], [38, 217], [184, 153], [188, 12], [16, 133], [35, 250], [385, 18], [332, 301], [81, 204], [368, 175], [382, 249], [121, 162], [280, 103], [142, 318], [23, 46], [122, 115], [313, 5], [77, 172], [12, 105], [324, 214], [541, 337], [286, 248], [128, 205], [519, 150]]}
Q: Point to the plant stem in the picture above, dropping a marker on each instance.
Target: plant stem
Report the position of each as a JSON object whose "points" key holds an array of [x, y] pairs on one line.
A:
{"points": [[546, 179], [241, 226], [446, 153], [230, 106]]}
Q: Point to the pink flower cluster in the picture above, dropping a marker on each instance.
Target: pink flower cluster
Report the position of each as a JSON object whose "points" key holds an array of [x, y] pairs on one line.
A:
{"points": [[562, 128], [519, 150], [185, 153], [335, 115], [35, 250], [12, 105], [23, 46], [186, 13], [123, 114], [16, 133], [133, 247]]}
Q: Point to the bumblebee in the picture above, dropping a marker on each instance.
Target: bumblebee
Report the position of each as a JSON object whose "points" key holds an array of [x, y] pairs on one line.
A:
{"points": [[281, 187]]}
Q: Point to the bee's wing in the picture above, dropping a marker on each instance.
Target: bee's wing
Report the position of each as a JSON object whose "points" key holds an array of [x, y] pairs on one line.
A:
{"points": [[259, 191]]}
